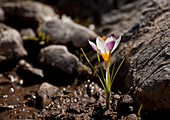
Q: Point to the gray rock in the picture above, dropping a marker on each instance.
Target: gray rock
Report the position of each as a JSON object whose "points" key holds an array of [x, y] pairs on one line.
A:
{"points": [[45, 92], [132, 117], [66, 31], [11, 46], [27, 33], [57, 57], [147, 66], [60, 67], [150, 62], [26, 13]]}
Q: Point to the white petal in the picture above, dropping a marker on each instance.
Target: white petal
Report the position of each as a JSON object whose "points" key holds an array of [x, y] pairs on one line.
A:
{"points": [[116, 44], [100, 44]]}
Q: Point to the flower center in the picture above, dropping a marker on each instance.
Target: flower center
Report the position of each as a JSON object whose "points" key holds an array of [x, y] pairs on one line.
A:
{"points": [[104, 38], [106, 57]]}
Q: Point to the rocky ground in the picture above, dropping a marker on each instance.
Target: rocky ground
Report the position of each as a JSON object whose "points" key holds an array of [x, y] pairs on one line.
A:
{"points": [[44, 75]]}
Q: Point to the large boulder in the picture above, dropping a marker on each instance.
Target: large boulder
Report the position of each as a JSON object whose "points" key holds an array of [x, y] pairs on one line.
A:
{"points": [[150, 64], [147, 66]]}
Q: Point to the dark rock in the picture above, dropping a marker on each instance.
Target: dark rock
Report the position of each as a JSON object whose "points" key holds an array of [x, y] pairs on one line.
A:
{"points": [[151, 72], [30, 74], [11, 47], [148, 63], [65, 31], [122, 20], [124, 105], [46, 92], [58, 57], [25, 13], [59, 63], [86, 9], [150, 60]]}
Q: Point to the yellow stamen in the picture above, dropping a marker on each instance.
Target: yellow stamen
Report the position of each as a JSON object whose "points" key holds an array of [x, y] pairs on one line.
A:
{"points": [[106, 57], [104, 38]]}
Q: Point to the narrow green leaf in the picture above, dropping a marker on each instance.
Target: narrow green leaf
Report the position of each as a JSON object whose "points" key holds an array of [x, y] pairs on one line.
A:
{"points": [[127, 53], [93, 69], [139, 112]]}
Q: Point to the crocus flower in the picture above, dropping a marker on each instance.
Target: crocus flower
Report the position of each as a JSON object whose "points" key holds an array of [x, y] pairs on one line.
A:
{"points": [[105, 46]]}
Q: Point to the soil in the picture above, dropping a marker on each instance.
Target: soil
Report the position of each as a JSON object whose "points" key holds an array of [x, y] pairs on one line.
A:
{"points": [[80, 101]]}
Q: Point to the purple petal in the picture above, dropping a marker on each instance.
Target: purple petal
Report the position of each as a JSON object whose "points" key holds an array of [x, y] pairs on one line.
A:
{"points": [[92, 45], [109, 45]]}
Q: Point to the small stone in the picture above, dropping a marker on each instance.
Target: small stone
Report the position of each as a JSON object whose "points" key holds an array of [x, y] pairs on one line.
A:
{"points": [[131, 117], [31, 74], [116, 96], [27, 33], [45, 92], [126, 99]]}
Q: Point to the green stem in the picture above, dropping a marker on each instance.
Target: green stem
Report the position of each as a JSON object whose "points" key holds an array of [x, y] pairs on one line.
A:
{"points": [[108, 84], [139, 112], [108, 75], [108, 99]]}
